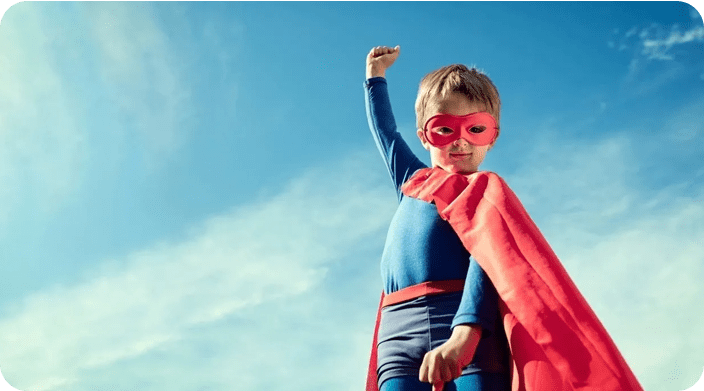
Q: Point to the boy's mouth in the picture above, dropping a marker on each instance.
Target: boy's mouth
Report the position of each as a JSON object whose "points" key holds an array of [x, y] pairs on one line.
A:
{"points": [[460, 155]]}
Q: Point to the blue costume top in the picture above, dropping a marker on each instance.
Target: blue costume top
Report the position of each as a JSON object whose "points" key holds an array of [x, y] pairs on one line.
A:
{"points": [[420, 246]]}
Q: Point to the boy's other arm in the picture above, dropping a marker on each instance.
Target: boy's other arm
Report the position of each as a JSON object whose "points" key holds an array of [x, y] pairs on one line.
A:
{"points": [[445, 363], [479, 305]]}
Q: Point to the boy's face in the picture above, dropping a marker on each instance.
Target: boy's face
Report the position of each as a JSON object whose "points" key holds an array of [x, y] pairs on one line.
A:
{"points": [[459, 156]]}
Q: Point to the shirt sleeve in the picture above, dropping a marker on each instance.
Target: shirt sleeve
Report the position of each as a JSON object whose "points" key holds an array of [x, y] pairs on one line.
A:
{"points": [[400, 160], [480, 302]]}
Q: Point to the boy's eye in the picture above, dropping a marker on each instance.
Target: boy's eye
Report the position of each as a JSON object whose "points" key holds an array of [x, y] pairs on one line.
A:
{"points": [[477, 129], [443, 130]]}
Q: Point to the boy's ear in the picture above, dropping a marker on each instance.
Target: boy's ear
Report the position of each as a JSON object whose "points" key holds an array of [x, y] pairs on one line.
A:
{"points": [[423, 141]]}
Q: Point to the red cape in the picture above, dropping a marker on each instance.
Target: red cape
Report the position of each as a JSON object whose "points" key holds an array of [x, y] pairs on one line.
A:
{"points": [[556, 340]]}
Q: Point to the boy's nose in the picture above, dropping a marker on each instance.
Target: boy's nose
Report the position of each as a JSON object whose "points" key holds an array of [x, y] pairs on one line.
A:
{"points": [[461, 142]]}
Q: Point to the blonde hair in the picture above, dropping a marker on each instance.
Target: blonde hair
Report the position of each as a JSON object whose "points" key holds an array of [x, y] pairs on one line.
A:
{"points": [[472, 83]]}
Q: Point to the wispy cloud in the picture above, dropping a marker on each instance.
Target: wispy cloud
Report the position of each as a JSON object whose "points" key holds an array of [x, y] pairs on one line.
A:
{"points": [[655, 41], [665, 52], [143, 77], [263, 252], [659, 49], [95, 86], [42, 136]]}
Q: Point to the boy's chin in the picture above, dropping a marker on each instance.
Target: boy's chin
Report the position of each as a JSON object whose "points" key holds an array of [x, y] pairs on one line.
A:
{"points": [[454, 169]]}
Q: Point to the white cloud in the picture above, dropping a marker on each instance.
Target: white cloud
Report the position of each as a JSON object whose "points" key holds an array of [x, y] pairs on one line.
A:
{"points": [[659, 48], [659, 55], [267, 251], [142, 76], [655, 42], [42, 137], [89, 87]]}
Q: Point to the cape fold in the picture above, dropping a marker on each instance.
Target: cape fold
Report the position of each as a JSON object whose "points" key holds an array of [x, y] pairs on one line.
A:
{"points": [[556, 340]]}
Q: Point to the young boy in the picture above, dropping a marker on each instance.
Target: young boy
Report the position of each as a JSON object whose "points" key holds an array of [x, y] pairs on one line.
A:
{"points": [[461, 331], [473, 299]]}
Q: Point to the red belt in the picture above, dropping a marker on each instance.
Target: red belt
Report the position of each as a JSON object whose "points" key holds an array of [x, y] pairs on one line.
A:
{"points": [[423, 289]]}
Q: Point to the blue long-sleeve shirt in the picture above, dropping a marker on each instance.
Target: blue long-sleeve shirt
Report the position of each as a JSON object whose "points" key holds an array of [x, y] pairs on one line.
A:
{"points": [[420, 246]]}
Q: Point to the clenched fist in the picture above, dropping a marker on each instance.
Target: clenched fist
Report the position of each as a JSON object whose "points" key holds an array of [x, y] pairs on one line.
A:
{"points": [[379, 59], [445, 363]]}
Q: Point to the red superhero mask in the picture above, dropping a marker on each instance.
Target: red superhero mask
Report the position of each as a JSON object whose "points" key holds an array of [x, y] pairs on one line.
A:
{"points": [[477, 128]]}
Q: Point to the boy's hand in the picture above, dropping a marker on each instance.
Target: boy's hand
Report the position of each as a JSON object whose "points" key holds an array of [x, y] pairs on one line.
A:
{"points": [[445, 363], [379, 59]]}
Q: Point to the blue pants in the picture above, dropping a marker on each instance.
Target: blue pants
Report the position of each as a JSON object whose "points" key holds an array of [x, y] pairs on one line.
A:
{"points": [[410, 329], [481, 381]]}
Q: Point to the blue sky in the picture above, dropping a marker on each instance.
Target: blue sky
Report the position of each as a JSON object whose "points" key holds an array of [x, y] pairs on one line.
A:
{"points": [[190, 197]]}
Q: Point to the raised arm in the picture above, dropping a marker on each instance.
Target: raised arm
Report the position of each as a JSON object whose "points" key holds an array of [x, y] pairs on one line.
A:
{"points": [[399, 159]]}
